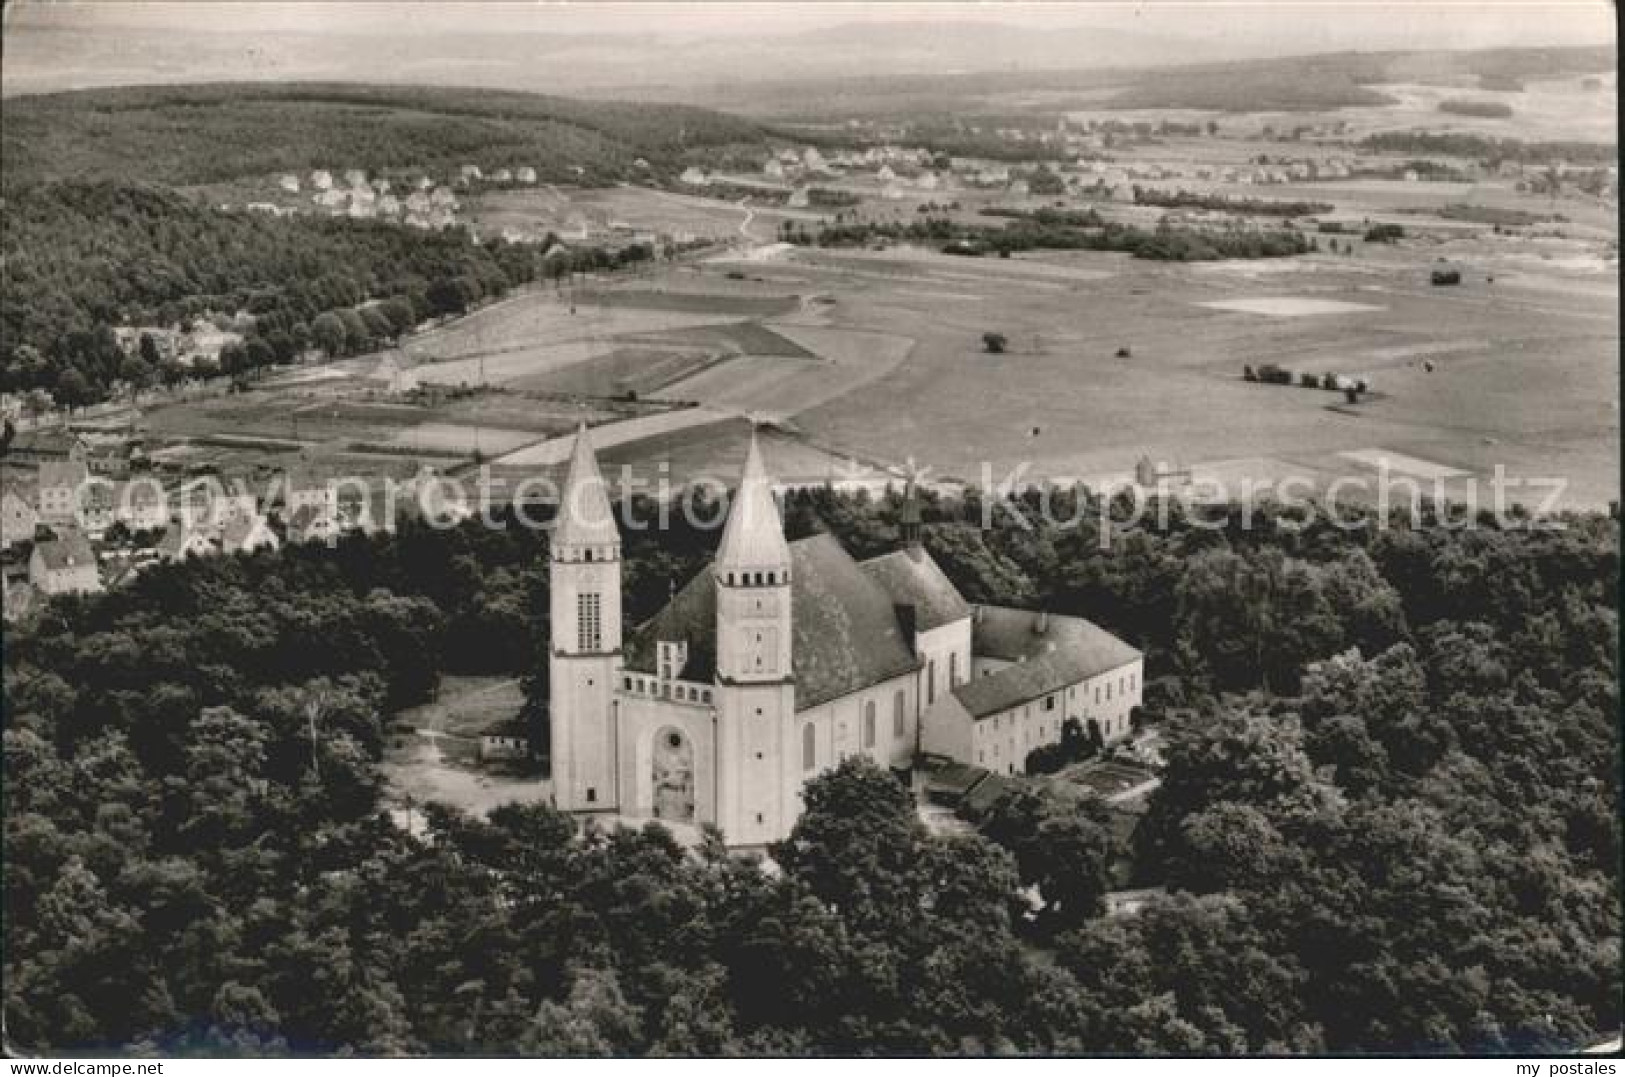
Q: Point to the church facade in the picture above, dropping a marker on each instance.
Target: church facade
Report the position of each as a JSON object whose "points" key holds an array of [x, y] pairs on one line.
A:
{"points": [[781, 658]]}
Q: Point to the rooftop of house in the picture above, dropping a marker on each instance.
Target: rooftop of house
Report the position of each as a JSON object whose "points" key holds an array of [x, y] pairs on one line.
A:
{"points": [[846, 635], [54, 473], [1047, 652], [54, 439], [177, 537], [70, 549]]}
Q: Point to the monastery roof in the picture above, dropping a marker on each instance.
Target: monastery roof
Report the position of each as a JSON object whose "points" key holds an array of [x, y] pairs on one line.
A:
{"points": [[913, 578], [845, 631], [1067, 650]]}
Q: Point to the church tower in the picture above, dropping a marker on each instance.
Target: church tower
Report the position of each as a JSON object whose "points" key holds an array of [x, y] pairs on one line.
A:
{"points": [[755, 679], [585, 653]]}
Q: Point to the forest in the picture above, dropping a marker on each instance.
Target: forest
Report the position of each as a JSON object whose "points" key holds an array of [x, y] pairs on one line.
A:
{"points": [[1070, 230], [190, 135], [83, 257], [1490, 149], [1388, 819], [1263, 207]]}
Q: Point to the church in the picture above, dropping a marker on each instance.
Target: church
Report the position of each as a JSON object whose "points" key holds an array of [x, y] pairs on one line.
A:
{"points": [[781, 659]]}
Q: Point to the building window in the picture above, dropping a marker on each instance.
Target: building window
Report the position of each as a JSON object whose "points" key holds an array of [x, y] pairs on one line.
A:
{"points": [[953, 669], [898, 722], [809, 747], [1097, 693], [589, 624], [1049, 704], [592, 795], [869, 724], [931, 681], [1108, 691]]}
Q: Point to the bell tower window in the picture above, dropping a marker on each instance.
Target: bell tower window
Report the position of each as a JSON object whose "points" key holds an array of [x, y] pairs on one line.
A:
{"points": [[589, 622]]}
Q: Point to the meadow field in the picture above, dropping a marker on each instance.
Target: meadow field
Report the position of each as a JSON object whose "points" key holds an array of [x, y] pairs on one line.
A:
{"points": [[878, 356]]}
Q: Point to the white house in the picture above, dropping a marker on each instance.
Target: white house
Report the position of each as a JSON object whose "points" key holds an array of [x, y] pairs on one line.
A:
{"points": [[64, 565]]}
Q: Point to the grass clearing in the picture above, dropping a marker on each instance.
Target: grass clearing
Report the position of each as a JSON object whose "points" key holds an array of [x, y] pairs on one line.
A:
{"points": [[1289, 306]]}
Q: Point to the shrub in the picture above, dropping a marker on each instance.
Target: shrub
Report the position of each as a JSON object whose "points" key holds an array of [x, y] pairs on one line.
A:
{"points": [[994, 343]]}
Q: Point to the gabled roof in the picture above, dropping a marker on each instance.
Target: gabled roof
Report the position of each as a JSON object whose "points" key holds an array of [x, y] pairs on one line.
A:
{"points": [[585, 516], [845, 634], [53, 440], [62, 473], [70, 549], [913, 578], [1066, 651], [239, 529], [754, 535], [178, 539]]}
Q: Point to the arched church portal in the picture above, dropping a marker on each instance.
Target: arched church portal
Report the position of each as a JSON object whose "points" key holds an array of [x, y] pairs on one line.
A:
{"points": [[672, 775]]}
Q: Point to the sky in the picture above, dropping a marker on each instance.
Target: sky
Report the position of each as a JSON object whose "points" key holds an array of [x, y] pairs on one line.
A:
{"points": [[1283, 27], [68, 44]]}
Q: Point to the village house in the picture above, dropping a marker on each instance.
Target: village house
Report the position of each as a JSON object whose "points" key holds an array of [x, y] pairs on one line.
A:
{"points": [[525, 174], [64, 565], [288, 182], [321, 179], [17, 519], [506, 740], [694, 177], [97, 502], [141, 505], [310, 524], [303, 488], [245, 534], [45, 446], [109, 456], [469, 173], [182, 541], [58, 491]]}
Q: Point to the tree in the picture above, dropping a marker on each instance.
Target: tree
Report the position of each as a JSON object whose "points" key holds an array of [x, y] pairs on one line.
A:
{"points": [[73, 389], [327, 333]]}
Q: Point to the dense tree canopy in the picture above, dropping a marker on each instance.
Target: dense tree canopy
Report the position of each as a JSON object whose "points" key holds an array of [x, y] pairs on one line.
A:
{"points": [[1392, 826], [82, 257]]}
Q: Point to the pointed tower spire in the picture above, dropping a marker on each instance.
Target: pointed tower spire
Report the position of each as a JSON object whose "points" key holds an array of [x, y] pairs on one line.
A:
{"points": [[908, 523], [753, 539], [585, 517]]}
